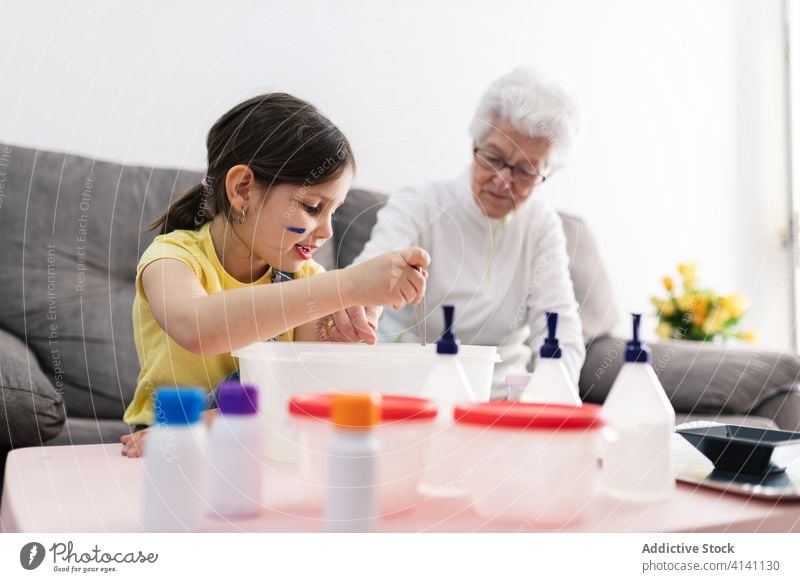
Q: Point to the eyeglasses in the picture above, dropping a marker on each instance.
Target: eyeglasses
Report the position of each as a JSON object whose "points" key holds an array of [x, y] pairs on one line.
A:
{"points": [[524, 175]]}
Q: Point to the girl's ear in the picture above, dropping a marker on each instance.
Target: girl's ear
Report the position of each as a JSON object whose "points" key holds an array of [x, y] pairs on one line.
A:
{"points": [[240, 184]]}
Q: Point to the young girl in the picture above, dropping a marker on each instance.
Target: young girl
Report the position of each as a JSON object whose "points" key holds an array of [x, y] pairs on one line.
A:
{"points": [[277, 171]]}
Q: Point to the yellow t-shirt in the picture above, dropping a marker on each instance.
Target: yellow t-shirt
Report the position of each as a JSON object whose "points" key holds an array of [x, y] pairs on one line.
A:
{"points": [[163, 362]]}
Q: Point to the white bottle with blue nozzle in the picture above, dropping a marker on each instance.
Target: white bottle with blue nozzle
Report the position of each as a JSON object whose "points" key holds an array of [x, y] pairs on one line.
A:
{"points": [[516, 383], [448, 385], [175, 462], [637, 464], [236, 449], [550, 382]]}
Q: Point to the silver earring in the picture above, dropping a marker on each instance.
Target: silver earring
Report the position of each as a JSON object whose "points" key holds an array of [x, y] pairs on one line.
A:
{"points": [[241, 218]]}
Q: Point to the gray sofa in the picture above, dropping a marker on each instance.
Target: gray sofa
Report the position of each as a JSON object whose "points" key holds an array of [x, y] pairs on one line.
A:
{"points": [[71, 230]]}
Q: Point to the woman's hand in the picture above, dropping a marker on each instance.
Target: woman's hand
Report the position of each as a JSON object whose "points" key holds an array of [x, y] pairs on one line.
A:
{"points": [[133, 444], [396, 278], [354, 324]]}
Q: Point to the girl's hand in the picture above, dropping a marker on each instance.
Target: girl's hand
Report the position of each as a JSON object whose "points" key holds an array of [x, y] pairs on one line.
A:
{"points": [[132, 444], [396, 278]]}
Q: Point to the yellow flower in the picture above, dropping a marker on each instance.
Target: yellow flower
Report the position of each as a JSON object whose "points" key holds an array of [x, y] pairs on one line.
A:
{"points": [[664, 330], [669, 284], [664, 307], [686, 302], [735, 304], [749, 336], [699, 310], [715, 321], [689, 273]]}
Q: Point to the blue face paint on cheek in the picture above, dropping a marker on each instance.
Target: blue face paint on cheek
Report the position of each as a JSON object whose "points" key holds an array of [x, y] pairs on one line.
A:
{"points": [[296, 229]]}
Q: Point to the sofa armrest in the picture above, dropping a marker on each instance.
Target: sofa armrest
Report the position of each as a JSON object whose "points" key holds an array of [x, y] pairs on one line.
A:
{"points": [[783, 408], [703, 378], [31, 410]]}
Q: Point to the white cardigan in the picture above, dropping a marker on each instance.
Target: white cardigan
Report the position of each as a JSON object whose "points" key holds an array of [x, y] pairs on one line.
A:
{"points": [[501, 275]]}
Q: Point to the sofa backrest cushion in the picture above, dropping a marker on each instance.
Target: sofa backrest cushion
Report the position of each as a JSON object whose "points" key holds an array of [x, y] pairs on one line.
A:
{"points": [[72, 231]]}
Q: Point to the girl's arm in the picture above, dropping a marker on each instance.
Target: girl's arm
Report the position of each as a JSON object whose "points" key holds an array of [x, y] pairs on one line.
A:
{"points": [[222, 322], [310, 332]]}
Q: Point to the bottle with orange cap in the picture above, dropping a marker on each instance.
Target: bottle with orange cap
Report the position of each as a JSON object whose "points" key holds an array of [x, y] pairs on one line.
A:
{"points": [[351, 502]]}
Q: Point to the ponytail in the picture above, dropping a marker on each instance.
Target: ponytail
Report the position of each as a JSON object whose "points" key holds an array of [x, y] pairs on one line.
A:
{"points": [[189, 212]]}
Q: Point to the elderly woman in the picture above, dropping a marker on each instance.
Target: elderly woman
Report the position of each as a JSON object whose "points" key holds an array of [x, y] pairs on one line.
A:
{"points": [[498, 252]]}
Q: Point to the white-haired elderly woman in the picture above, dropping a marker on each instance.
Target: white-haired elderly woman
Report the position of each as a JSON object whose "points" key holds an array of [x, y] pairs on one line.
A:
{"points": [[498, 253]]}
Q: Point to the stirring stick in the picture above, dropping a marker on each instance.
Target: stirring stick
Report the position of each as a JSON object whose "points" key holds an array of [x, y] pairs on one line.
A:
{"points": [[421, 313]]}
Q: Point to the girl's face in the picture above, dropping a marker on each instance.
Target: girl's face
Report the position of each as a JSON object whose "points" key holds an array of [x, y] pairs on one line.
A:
{"points": [[287, 223]]}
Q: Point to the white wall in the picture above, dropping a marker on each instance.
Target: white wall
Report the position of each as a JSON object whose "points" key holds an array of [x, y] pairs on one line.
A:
{"points": [[683, 151]]}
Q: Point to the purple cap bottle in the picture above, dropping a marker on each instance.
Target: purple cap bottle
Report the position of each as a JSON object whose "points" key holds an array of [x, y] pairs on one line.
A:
{"points": [[236, 398]]}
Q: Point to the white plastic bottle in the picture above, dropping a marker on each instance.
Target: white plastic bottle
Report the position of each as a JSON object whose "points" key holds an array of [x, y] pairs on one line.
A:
{"points": [[448, 386], [351, 504], [175, 462], [236, 446], [637, 465], [516, 384], [550, 382]]}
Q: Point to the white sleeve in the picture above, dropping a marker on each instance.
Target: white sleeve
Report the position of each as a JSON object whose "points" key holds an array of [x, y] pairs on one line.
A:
{"points": [[399, 224], [551, 290]]}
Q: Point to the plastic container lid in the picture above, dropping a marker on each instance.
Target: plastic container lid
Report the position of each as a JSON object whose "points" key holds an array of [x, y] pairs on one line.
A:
{"points": [[393, 408], [237, 399], [178, 405], [521, 415]]}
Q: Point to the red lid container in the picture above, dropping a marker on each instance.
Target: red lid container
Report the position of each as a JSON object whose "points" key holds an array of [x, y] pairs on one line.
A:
{"points": [[522, 415], [393, 408]]}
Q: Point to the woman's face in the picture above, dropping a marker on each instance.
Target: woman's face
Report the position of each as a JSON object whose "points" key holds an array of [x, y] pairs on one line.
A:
{"points": [[284, 229], [496, 191]]}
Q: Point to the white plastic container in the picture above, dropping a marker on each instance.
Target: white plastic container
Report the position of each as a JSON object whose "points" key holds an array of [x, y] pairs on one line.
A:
{"points": [[236, 443], [282, 370], [404, 435], [638, 465], [175, 462], [535, 465], [351, 503], [550, 383]]}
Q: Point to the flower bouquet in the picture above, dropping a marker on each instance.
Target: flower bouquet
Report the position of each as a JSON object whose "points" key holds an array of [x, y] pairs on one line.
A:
{"points": [[699, 314]]}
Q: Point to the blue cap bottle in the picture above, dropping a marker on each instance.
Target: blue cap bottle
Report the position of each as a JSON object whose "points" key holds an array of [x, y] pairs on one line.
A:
{"points": [[550, 347], [178, 405], [447, 344], [636, 350]]}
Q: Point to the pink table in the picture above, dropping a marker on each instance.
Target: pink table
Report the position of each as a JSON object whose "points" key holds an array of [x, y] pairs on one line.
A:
{"points": [[92, 488]]}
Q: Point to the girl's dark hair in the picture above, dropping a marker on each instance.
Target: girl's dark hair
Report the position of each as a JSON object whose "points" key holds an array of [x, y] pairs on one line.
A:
{"points": [[283, 139]]}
